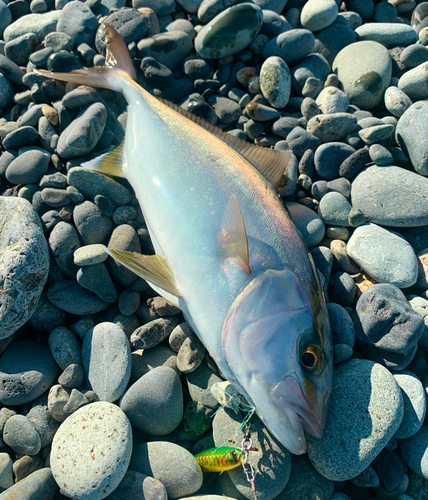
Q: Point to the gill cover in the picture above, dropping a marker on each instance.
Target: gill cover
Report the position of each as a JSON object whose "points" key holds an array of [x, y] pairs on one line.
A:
{"points": [[275, 344]]}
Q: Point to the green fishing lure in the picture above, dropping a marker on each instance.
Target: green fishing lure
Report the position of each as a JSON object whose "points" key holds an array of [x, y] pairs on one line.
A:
{"points": [[219, 459]]}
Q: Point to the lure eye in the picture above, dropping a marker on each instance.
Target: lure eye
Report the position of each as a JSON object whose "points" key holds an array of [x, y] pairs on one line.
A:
{"points": [[233, 456], [311, 357]]}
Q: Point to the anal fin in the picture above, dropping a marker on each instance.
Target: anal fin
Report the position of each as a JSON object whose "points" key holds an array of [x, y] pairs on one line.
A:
{"points": [[152, 268], [110, 163], [232, 238]]}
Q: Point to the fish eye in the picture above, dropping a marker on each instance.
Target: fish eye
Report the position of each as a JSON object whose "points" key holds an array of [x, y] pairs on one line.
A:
{"points": [[311, 357]]}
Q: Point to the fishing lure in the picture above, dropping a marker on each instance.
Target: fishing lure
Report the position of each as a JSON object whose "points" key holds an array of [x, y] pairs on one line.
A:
{"points": [[219, 459]]}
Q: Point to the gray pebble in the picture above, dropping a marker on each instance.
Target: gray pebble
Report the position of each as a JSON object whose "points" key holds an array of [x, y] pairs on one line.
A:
{"points": [[92, 226], [387, 327], [413, 451], [316, 16], [134, 483], [387, 33], [413, 55], [161, 307], [144, 360], [307, 221], [90, 255], [39, 483], [40, 24], [378, 133], [65, 347], [200, 382], [309, 75], [342, 289], [73, 376], [413, 83], [168, 49], [21, 435], [19, 49], [71, 297], [299, 140], [154, 403], [28, 167], [292, 45], [323, 259], [332, 100], [125, 238], [153, 333], [107, 361], [410, 136], [380, 155], [332, 127], [91, 451], [172, 465], [391, 196], [366, 409], [81, 96], [58, 41], [226, 110], [275, 81], [45, 425], [63, 242], [81, 136], [190, 354], [334, 209], [97, 279], [46, 316], [414, 399], [57, 399], [77, 21], [384, 255], [368, 478], [341, 353], [329, 158], [6, 471], [90, 183], [342, 258]]}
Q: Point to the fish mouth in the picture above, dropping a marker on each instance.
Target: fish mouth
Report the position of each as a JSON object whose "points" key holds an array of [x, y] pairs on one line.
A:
{"points": [[289, 397]]}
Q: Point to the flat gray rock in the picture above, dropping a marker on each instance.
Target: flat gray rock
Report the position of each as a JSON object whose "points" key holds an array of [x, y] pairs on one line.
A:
{"points": [[410, 134], [172, 465], [385, 255], [391, 196], [106, 359], [366, 409], [27, 370], [24, 263], [91, 451]]}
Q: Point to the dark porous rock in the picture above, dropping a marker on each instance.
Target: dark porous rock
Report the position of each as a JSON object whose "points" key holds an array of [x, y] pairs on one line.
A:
{"points": [[167, 48], [391, 196], [21, 435], [91, 183], [154, 403], [387, 327], [125, 238], [172, 465], [39, 484], [65, 347], [291, 46], [27, 370], [81, 136], [92, 226], [77, 21], [72, 298], [154, 332], [107, 361], [24, 258], [63, 242]]}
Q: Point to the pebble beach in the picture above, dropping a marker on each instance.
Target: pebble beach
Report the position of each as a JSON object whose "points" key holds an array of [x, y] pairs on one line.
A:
{"points": [[105, 391]]}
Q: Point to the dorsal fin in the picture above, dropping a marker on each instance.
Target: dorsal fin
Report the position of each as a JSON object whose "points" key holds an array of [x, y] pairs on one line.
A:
{"points": [[110, 163], [269, 162], [232, 238]]}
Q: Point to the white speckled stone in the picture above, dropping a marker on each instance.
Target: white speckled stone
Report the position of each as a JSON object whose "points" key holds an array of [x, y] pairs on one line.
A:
{"points": [[91, 451], [275, 81]]}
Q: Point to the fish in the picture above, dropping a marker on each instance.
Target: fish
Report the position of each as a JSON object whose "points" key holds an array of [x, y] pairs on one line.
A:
{"points": [[219, 459], [227, 252]]}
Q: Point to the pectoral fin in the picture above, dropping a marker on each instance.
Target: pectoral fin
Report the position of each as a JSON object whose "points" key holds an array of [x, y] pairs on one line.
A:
{"points": [[109, 163], [232, 237], [152, 268], [269, 162]]}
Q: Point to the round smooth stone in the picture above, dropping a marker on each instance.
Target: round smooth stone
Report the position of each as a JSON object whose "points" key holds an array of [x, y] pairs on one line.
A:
{"points": [[91, 451], [334, 209], [385, 12], [342, 289], [414, 399], [380, 155], [90, 255], [21, 435], [308, 222], [377, 133], [291, 46], [414, 452], [5, 18], [332, 127], [384, 255], [329, 157], [28, 167], [331, 40], [144, 360], [393, 34], [65, 347], [39, 24], [332, 100], [27, 370], [168, 48], [413, 55], [172, 465], [154, 403], [275, 82], [391, 196], [410, 135], [40, 484], [366, 409], [364, 69], [339, 250], [390, 338], [414, 83], [229, 32], [63, 241], [78, 21], [272, 475], [318, 14], [309, 75], [341, 324], [92, 225], [106, 359], [69, 296]]}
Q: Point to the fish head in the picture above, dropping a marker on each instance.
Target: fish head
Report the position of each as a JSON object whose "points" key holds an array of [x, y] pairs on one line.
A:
{"points": [[277, 342]]}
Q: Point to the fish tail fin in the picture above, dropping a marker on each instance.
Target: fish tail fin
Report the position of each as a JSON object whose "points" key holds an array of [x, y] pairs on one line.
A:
{"points": [[118, 67]]}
